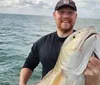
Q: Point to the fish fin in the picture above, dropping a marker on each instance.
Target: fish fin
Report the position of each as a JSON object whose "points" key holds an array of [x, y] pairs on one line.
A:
{"points": [[58, 79], [45, 79]]}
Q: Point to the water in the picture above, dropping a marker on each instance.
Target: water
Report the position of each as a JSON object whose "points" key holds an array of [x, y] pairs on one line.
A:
{"points": [[17, 34]]}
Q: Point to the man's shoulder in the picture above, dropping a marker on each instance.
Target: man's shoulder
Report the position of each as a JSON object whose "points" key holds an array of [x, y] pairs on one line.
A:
{"points": [[46, 37], [50, 35]]}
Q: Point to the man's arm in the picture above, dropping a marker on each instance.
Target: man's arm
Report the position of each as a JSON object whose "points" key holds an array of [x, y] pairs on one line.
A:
{"points": [[24, 76], [92, 72]]}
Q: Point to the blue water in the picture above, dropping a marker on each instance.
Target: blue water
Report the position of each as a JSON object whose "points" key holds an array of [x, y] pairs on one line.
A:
{"points": [[17, 34]]}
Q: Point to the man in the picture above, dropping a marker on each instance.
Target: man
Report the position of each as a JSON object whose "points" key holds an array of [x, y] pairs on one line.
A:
{"points": [[46, 49]]}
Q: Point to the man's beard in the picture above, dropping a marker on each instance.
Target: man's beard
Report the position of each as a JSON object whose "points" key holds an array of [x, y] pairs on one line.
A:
{"points": [[66, 30]]}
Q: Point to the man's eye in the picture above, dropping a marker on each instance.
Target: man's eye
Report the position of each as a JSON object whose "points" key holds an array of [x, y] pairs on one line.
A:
{"points": [[61, 12], [71, 13]]}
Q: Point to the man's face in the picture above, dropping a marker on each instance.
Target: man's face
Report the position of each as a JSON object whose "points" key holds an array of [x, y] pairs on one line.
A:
{"points": [[65, 18]]}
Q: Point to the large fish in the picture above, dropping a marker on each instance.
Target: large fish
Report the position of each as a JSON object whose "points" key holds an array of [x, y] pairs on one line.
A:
{"points": [[73, 58]]}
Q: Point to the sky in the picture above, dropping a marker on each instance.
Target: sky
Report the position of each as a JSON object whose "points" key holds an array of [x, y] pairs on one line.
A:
{"points": [[86, 8]]}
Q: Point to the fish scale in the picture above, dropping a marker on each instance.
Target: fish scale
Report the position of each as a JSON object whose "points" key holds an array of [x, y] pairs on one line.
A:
{"points": [[73, 58]]}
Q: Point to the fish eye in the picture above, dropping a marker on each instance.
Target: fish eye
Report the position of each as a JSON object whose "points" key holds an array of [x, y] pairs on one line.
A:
{"points": [[73, 36]]}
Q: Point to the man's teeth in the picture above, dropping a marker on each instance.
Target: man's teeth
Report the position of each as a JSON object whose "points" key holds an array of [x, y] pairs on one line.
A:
{"points": [[65, 21]]}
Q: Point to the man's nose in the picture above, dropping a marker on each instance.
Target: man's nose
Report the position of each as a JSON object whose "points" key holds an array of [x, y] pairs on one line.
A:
{"points": [[66, 15]]}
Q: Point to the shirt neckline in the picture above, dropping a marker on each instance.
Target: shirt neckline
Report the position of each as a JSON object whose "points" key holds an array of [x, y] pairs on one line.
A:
{"points": [[61, 39]]}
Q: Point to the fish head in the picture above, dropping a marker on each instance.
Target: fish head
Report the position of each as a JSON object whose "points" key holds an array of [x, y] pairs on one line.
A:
{"points": [[75, 47]]}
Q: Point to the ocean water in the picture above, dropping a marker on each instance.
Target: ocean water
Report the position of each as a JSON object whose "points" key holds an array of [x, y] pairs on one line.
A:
{"points": [[17, 35]]}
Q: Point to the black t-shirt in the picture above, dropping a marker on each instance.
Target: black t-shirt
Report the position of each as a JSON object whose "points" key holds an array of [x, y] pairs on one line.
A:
{"points": [[46, 51]]}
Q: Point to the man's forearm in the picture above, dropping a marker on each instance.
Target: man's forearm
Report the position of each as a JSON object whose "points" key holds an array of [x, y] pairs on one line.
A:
{"points": [[24, 76]]}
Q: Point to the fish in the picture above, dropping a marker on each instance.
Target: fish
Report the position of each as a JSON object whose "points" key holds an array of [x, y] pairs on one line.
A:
{"points": [[73, 58]]}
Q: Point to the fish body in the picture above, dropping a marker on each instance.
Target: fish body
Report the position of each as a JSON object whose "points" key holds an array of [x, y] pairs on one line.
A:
{"points": [[73, 58]]}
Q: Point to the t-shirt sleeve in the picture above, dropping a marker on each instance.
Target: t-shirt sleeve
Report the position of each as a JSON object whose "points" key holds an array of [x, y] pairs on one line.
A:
{"points": [[33, 59]]}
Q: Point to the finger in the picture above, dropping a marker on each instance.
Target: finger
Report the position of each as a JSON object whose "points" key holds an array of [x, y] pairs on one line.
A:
{"points": [[90, 65], [93, 68], [95, 61], [88, 72]]}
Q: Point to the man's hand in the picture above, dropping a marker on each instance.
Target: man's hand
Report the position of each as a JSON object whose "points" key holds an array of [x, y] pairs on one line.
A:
{"points": [[92, 72]]}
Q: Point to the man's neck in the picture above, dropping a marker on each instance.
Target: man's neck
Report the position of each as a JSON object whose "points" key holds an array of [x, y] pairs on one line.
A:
{"points": [[62, 34]]}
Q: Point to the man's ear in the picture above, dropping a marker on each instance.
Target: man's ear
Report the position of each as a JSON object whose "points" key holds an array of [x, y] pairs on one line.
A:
{"points": [[76, 15], [54, 14]]}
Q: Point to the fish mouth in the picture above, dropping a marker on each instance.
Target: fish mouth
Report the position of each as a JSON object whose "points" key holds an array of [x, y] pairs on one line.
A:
{"points": [[86, 36], [90, 36], [81, 44]]}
